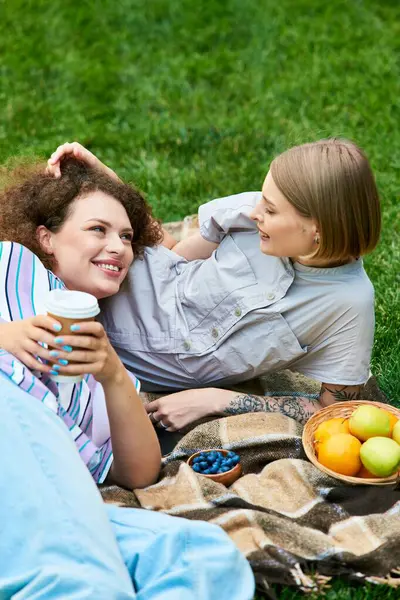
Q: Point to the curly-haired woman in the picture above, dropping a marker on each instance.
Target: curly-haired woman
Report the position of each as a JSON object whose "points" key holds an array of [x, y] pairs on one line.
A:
{"points": [[82, 232]]}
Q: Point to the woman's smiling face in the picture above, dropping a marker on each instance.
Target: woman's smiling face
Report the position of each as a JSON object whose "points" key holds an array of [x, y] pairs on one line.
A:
{"points": [[92, 250]]}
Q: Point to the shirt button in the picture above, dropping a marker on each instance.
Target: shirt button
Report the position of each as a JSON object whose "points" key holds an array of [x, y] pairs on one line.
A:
{"points": [[270, 296], [186, 344], [214, 332], [238, 311]]}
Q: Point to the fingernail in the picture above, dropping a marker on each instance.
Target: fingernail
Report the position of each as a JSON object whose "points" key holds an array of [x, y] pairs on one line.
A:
{"points": [[53, 373], [58, 340], [57, 326], [54, 353], [75, 327], [56, 367], [67, 348], [63, 362]]}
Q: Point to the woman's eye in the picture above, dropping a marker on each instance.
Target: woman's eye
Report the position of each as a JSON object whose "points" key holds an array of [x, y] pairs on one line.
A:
{"points": [[127, 236], [98, 228], [268, 211]]}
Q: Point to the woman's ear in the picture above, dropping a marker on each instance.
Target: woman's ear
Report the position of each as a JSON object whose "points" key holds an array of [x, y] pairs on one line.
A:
{"points": [[45, 239], [315, 232]]}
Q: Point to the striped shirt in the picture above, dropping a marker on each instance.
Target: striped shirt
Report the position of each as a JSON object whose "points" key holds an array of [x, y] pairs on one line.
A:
{"points": [[24, 285]]}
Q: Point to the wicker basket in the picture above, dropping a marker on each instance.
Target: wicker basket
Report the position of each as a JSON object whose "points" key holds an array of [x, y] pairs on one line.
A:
{"points": [[342, 409]]}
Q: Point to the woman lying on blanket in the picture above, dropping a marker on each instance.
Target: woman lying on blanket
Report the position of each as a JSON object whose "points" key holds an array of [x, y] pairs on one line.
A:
{"points": [[80, 225], [273, 280]]}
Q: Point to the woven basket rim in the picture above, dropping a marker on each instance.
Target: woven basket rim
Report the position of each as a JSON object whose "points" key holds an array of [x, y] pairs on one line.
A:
{"points": [[336, 410]]}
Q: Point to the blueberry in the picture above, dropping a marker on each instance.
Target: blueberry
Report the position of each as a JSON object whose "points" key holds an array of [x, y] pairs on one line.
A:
{"points": [[196, 468], [214, 469], [225, 469], [206, 472], [203, 464], [230, 454], [197, 459]]}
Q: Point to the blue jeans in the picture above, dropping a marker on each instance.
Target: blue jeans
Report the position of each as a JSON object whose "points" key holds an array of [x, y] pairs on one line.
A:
{"points": [[58, 539]]}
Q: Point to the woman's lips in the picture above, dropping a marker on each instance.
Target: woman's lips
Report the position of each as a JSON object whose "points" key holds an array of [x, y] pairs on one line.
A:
{"points": [[263, 235]]}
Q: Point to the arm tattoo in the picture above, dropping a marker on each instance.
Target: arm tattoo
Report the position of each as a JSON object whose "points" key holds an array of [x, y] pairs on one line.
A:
{"points": [[343, 393], [298, 408]]}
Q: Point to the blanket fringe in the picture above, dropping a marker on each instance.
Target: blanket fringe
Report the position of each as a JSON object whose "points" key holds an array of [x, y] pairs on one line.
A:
{"points": [[310, 583], [392, 579]]}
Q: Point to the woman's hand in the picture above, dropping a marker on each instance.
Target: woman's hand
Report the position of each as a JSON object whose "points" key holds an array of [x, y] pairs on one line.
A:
{"points": [[87, 350], [80, 152], [175, 411], [23, 338]]}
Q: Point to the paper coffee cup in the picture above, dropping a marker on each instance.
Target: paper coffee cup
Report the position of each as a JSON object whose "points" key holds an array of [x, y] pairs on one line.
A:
{"points": [[68, 307]]}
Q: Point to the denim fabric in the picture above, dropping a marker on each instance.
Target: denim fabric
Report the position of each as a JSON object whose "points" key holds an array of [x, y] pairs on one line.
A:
{"points": [[58, 539], [170, 558]]}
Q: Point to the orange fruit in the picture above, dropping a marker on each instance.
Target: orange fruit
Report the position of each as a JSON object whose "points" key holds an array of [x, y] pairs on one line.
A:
{"points": [[392, 417], [365, 474], [328, 428], [340, 453]]}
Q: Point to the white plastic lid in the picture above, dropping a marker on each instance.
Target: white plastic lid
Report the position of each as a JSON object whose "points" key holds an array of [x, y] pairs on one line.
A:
{"points": [[72, 305]]}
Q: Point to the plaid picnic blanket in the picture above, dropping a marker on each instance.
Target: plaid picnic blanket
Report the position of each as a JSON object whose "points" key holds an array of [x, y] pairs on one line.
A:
{"points": [[296, 525]]}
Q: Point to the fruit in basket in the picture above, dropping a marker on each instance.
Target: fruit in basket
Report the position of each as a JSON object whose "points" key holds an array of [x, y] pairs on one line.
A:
{"points": [[381, 456], [396, 432], [330, 427], [369, 421], [363, 473], [341, 453], [392, 418]]}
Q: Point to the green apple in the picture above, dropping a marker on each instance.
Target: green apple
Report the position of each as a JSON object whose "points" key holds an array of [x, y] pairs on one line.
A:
{"points": [[396, 432], [381, 456], [369, 421]]}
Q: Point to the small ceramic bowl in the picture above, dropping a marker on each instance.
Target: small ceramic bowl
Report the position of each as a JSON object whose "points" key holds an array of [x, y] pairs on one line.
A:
{"points": [[226, 478]]}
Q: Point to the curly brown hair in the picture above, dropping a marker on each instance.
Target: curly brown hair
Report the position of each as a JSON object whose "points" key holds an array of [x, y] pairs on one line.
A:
{"points": [[34, 197]]}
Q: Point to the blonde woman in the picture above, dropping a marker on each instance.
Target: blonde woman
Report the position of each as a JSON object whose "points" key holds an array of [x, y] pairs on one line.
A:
{"points": [[273, 280]]}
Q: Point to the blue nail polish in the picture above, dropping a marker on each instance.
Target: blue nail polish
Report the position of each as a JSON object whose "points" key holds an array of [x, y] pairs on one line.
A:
{"points": [[56, 367], [75, 327], [54, 353], [57, 327], [63, 362], [58, 340], [67, 348], [53, 373]]}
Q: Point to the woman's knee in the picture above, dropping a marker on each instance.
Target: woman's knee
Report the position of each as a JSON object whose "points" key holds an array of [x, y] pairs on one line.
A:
{"points": [[191, 555]]}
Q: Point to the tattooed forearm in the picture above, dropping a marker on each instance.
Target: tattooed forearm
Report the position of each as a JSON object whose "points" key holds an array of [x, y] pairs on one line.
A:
{"points": [[342, 393], [298, 408]]}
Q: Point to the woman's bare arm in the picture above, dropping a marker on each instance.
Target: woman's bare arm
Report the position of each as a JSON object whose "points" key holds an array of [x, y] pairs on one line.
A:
{"points": [[178, 410], [195, 247]]}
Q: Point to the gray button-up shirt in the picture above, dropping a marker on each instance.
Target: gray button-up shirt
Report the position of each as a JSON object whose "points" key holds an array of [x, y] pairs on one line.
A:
{"points": [[240, 313]]}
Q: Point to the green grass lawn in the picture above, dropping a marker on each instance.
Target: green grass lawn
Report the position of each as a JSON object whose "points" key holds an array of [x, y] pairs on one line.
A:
{"points": [[191, 100]]}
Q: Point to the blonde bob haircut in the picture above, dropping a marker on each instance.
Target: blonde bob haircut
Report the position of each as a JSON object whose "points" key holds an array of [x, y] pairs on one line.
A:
{"points": [[331, 182]]}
